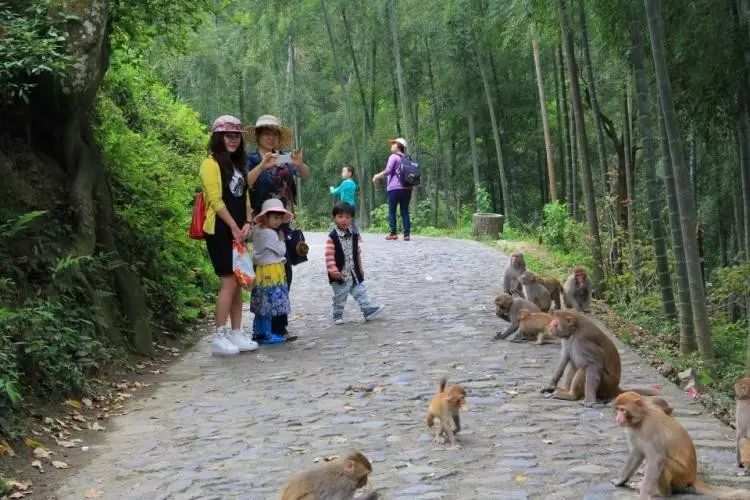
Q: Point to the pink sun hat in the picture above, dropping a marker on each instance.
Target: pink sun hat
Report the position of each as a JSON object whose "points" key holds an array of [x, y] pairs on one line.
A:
{"points": [[273, 205], [226, 123]]}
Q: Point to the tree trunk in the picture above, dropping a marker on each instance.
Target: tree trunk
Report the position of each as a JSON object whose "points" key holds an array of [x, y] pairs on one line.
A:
{"points": [[342, 84], [685, 200], [403, 101], [562, 122], [588, 180], [474, 152], [487, 225], [504, 185], [629, 181], [649, 165], [548, 148], [571, 130], [439, 164], [64, 117], [595, 109]]}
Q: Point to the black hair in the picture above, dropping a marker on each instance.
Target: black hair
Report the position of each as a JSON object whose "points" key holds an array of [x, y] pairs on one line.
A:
{"points": [[400, 147], [343, 207], [350, 169], [227, 162]]}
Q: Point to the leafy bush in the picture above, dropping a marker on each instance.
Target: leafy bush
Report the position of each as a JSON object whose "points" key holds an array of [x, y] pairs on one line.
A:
{"points": [[32, 46], [483, 200]]}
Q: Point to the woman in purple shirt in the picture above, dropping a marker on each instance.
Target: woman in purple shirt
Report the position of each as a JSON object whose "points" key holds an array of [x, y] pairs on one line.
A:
{"points": [[398, 194]]}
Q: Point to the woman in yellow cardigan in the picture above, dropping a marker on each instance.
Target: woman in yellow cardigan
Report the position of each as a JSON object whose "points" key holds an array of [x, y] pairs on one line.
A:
{"points": [[227, 219]]}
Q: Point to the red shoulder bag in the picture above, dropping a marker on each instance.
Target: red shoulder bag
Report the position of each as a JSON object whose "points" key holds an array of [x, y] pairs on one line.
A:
{"points": [[199, 218]]}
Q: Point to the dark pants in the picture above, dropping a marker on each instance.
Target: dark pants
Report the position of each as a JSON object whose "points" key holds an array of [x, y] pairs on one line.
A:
{"points": [[279, 323], [400, 197]]}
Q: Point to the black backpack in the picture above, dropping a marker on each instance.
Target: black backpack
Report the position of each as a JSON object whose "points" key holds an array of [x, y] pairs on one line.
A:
{"points": [[409, 172]]}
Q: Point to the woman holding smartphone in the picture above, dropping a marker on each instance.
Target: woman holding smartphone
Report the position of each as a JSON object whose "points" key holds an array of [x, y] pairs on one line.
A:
{"points": [[271, 174]]}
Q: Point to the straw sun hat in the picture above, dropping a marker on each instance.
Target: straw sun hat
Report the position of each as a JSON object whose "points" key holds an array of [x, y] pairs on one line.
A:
{"points": [[270, 121]]}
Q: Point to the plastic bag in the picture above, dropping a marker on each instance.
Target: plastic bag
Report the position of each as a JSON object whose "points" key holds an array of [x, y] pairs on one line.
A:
{"points": [[242, 267]]}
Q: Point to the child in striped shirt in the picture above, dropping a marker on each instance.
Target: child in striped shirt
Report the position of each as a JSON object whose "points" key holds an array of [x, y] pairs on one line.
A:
{"points": [[344, 265]]}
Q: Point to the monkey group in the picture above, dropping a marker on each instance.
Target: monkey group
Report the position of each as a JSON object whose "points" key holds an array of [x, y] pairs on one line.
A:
{"points": [[589, 369]]}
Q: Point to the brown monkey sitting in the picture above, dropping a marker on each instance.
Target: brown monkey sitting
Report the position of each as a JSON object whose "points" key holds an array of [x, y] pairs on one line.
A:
{"points": [[532, 325], [742, 396], [577, 290], [512, 272], [507, 307], [445, 405], [594, 358], [338, 479], [665, 445], [534, 291]]}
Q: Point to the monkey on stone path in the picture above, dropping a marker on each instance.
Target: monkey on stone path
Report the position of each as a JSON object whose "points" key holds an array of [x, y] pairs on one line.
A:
{"points": [[534, 291], [742, 395], [662, 403], [445, 405], [593, 357], [507, 307], [666, 447], [577, 290], [511, 286], [533, 325], [337, 480]]}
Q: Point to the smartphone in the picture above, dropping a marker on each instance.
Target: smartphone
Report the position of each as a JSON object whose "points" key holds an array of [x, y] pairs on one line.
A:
{"points": [[284, 158]]}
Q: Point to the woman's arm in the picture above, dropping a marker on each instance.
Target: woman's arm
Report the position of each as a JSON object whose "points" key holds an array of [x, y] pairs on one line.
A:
{"points": [[297, 161], [211, 181], [389, 167], [336, 190], [269, 160]]}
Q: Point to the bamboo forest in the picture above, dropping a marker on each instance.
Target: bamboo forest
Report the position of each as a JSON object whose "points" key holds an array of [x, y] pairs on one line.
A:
{"points": [[608, 139]]}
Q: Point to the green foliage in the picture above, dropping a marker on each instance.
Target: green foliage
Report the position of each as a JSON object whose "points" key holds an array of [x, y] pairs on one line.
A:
{"points": [[152, 146], [482, 200], [32, 45], [562, 233], [5, 487]]}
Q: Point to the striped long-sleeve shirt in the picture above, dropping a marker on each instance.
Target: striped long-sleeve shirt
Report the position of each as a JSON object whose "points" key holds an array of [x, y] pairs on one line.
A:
{"points": [[341, 248]]}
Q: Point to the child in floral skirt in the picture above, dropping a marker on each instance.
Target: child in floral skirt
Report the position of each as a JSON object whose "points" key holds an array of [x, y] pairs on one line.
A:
{"points": [[270, 295]]}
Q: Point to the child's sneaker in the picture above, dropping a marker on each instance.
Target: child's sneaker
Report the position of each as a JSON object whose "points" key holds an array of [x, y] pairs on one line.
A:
{"points": [[242, 341], [371, 312], [269, 339], [338, 320], [221, 346]]}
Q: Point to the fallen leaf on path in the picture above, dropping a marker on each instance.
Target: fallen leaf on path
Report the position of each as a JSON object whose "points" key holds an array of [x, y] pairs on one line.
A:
{"points": [[5, 449], [96, 426], [349, 408], [378, 389], [93, 494], [60, 465], [19, 494], [65, 444], [512, 392], [33, 444], [42, 453], [521, 478], [330, 458], [19, 485], [547, 441], [78, 417], [73, 403], [38, 465], [87, 402]]}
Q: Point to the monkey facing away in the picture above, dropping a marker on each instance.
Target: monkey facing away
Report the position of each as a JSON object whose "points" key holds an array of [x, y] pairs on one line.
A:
{"points": [[742, 396], [507, 307], [512, 272], [553, 286], [337, 480], [577, 290], [534, 291], [666, 447], [445, 405], [593, 357], [533, 325], [663, 404]]}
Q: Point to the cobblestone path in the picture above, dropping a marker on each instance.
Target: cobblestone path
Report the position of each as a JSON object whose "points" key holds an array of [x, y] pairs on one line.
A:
{"points": [[239, 427]]}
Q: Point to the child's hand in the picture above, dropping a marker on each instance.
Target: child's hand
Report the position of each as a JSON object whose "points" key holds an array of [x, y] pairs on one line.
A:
{"points": [[336, 275]]}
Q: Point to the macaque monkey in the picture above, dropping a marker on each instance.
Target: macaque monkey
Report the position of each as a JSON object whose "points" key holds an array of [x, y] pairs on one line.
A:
{"points": [[552, 285], [533, 324], [593, 356], [742, 394], [338, 479], [665, 445], [512, 272], [663, 404], [445, 405], [577, 290], [534, 291], [507, 307]]}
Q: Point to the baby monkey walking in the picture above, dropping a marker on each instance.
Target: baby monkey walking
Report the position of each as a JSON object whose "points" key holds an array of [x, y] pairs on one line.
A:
{"points": [[445, 406]]}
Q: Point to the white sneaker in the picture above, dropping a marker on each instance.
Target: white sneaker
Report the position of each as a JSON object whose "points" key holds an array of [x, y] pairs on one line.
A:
{"points": [[240, 339], [220, 346]]}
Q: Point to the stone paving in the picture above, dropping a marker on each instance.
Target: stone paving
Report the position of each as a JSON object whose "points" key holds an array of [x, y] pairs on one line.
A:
{"points": [[240, 427]]}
